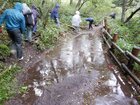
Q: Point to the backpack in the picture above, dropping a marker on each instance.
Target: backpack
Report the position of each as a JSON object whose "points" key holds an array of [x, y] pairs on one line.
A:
{"points": [[29, 19]]}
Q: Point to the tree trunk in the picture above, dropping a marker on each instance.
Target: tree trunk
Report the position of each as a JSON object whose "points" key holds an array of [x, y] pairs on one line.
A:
{"points": [[71, 2], [132, 14], [43, 2], [78, 3], [123, 10]]}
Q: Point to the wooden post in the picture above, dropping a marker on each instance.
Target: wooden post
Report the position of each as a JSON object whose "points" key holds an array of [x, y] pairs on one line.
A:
{"points": [[109, 30], [105, 23], [135, 52], [115, 38]]}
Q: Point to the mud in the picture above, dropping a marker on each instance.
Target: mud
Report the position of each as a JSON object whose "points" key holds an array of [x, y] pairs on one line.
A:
{"points": [[76, 72]]}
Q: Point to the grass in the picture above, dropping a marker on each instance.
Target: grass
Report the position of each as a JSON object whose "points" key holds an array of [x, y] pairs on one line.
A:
{"points": [[8, 82]]}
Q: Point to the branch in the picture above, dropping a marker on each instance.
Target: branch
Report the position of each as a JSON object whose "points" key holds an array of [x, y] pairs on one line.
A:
{"points": [[82, 4], [132, 14]]}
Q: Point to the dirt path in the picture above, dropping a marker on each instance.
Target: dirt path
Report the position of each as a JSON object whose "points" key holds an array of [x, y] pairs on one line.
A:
{"points": [[76, 72]]}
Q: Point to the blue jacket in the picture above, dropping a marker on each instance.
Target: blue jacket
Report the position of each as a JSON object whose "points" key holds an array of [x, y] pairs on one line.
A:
{"points": [[13, 18], [89, 19], [54, 12]]}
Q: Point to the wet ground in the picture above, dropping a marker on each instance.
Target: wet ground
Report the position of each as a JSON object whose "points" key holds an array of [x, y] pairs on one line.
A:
{"points": [[76, 72]]}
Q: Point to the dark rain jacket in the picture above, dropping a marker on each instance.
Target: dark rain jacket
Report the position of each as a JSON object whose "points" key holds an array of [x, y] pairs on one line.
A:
{"points": [[54, 12]]}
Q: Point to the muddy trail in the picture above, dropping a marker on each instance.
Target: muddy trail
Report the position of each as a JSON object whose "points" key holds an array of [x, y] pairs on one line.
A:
{"points": [[76, 72]]}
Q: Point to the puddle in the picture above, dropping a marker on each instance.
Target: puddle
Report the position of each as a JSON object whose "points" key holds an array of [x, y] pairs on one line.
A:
{"points": [[75, 73]]}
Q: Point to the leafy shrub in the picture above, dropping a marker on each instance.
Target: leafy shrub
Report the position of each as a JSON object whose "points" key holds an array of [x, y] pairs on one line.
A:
{"points": [[8, 83], [124, 45], [4, 50], [48, 37], [134, 26], [1, 66], [67, 10], [127, 38], [137, 67]]}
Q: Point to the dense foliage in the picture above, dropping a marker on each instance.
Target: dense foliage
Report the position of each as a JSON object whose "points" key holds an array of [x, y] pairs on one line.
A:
{"points": [[129, 36]]}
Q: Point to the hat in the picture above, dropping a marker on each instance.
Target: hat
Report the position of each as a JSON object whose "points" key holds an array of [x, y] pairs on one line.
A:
{"points": [[57, 5], [33, 6]]}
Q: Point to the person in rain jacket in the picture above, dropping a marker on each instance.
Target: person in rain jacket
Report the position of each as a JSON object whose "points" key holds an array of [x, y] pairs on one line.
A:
{"points": [[113, 15], [55, 14], [15, 26], [76, 20], [29, 20], [36, 15], [90, 20]]}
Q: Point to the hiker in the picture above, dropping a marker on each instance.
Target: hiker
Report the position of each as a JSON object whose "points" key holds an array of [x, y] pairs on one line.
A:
{"points": [[90, 20], [113, 15], [36, 15], [15, 26], [29, 20], [76, 20], [55, 15]]}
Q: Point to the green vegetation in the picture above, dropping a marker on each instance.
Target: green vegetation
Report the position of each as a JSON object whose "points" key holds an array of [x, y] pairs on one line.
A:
{"points": [[8, 82], [127, 33], [23, 89], [4, 51], [48, 37]]}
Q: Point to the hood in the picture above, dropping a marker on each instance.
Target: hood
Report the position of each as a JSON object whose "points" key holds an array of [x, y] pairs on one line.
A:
{"points": [[24, 5], [57, 6], [77, 13], [18, 6], [34, 7], [25, 9]]}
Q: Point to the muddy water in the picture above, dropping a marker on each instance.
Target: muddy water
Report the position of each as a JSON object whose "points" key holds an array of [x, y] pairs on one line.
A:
{"points": [[76, 72]]}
